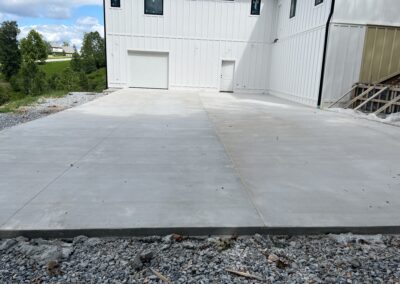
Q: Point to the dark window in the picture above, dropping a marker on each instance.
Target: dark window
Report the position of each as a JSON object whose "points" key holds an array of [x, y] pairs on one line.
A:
{"points": [[116, 3], [317, 2], [255, 7], [154, 7], [293, 8]]}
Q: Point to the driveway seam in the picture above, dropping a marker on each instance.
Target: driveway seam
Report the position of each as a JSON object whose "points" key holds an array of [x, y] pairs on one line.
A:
{"points": [[242, 181]]}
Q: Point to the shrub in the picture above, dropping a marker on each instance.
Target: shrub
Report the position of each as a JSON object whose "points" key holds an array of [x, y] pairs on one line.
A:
{"points": [[70, 80], [4, 95], [55, 83], [16, 83], [83, 81]]}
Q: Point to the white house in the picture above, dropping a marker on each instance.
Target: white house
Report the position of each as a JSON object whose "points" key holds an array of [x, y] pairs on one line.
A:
{"points": [[56, 48], [308, 51]]}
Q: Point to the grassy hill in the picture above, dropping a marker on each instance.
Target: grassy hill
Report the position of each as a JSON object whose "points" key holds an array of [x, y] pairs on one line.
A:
{"points": [[51, 68]]}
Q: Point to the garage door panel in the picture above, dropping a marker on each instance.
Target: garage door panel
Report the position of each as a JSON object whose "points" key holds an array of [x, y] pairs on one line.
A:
{"points": [[148, 70]]}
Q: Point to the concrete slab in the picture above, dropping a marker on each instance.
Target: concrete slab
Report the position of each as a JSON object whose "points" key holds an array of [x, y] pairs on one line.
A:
{"points": [[157, 163], [165, 161], [310, 168]]}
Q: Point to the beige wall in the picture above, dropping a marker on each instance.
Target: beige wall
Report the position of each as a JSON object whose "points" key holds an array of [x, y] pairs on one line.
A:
{"points": [[381, 57]]}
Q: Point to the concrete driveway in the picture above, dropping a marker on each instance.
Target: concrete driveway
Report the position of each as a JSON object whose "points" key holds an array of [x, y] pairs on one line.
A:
{"points": [[144, 162]]}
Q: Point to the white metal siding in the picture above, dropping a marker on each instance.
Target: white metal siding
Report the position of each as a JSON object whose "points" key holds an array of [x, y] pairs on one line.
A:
{"points": [[296, 58], [367, 12], [198, 34], [344, 58]]}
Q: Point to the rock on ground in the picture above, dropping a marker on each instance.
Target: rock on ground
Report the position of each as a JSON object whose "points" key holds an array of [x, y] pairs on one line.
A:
{"points": [[45, 107], [254, 259]]}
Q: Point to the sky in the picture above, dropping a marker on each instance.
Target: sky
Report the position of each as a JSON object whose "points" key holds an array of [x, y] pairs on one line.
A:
{"points": [[56, 20]]}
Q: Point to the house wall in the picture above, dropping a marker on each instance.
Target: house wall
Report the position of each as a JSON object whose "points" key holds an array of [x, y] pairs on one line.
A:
{"points": [[367, 12], [296, 58], [357, 52], [343, 61], [274, 53], [198, 34]]}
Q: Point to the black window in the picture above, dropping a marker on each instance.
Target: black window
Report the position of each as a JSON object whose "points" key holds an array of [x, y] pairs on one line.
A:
{"points": [[154, 7], [255, 7], [293, 8], [317, 2], [116, 3]]}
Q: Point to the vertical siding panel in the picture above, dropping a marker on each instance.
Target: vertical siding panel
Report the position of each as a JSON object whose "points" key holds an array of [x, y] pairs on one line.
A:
{"points": [[300, 48]]}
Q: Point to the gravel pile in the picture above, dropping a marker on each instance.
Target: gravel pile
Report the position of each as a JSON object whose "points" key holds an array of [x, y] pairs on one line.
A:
{"points": [[45, 107], [176, 259]]}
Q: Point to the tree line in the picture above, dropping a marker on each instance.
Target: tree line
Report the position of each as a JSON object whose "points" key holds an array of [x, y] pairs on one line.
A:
{"points": [[20, 61]]}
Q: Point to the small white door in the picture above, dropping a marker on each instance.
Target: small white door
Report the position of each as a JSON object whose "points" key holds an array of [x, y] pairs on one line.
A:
{"points": [[148, 70], [227, 76]]}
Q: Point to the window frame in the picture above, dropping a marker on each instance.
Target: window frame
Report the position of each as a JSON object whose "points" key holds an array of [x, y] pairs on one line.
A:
{"points": [[293, 9], [251, 9], [115, 7], [154, 14], [318, 2]]}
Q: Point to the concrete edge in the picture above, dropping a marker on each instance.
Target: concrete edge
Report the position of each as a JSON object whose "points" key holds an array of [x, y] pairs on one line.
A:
{"points": [[362, 117], [200, 231]]}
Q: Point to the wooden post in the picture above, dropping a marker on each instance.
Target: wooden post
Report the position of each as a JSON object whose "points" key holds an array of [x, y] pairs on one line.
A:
{"points": [[371, 98], [359, 96], [396, 99]]}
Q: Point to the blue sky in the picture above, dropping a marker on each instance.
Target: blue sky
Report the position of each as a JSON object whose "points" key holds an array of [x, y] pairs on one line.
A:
{"points": [[94, 11], [56, 20]]}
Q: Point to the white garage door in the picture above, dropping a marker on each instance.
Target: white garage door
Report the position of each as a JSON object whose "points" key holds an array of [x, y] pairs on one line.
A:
{"points": [[148, 69]]}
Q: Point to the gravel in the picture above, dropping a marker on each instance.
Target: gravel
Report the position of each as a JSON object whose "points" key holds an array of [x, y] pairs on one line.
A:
{"points": [[253, 259], [45, 107]]}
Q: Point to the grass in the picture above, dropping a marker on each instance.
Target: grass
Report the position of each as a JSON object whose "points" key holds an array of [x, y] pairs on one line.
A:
{"points": [[51, 68]]}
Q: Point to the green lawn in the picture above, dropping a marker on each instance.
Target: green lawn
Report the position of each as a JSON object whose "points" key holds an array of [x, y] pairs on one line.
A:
{"points": [[51, 68]]}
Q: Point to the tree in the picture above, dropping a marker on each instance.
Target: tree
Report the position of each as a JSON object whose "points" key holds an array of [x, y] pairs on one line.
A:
{"points": [[33, 80], [93, 50], [34, 48], [10, 55], [48, 47], [76, 62], [88, 64], [65, 43], [70, 79]]}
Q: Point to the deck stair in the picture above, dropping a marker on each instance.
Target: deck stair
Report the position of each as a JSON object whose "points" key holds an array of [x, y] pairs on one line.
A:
{"points": [[381, 99]]}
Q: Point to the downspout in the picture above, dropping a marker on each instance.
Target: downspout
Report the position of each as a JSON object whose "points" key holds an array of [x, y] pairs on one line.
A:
{"points": [[105, 40], [321, 84]]}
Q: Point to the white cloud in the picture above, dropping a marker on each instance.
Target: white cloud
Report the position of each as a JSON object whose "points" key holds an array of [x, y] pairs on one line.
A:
{"points": [[60, 33], [57, 9], [87, 21]]}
